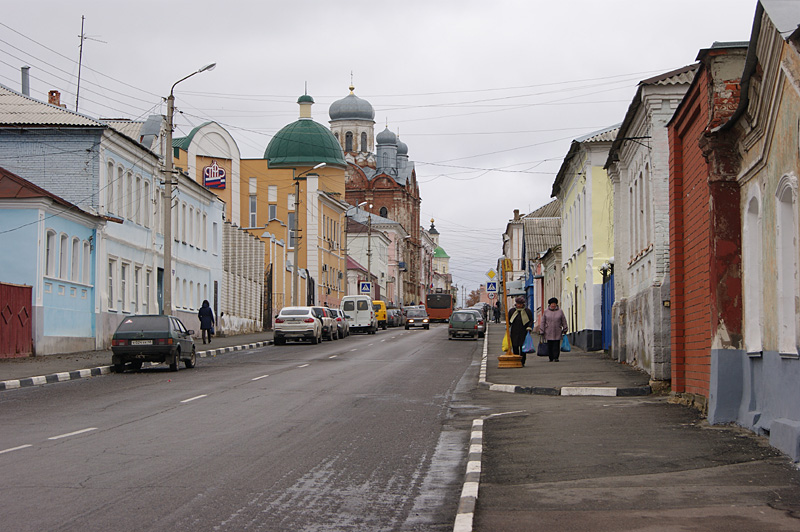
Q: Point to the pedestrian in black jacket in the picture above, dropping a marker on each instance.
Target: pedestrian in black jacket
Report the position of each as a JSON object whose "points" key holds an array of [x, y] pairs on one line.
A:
{"points": [[207, 321], [520, 320]]}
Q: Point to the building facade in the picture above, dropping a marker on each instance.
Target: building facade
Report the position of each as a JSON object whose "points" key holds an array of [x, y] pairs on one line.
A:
{"points": [[638, 165], [587, 233]]}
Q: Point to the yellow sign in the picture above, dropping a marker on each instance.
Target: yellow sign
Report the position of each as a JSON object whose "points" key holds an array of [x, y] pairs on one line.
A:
{"points": [[491, 274]]}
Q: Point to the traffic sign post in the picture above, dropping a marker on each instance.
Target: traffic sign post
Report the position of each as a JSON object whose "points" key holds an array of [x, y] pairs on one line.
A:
{"points": [[365, 287]]}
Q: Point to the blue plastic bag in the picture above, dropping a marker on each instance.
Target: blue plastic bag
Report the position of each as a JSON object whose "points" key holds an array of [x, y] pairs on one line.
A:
{"points": [[527, 346], [565, 347]]}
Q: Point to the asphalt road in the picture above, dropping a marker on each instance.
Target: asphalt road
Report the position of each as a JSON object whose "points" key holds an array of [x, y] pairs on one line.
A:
{"points": [[355, 434]]}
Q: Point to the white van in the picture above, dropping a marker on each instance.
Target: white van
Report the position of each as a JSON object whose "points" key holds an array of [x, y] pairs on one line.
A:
{"points": [[359, 313]]}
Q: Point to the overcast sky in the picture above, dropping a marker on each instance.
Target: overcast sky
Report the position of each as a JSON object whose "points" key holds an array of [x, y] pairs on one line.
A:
{"points": [[487, 95]]}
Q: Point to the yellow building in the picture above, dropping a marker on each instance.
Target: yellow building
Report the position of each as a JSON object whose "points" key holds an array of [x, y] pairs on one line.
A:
{"points": [[587, 233]]}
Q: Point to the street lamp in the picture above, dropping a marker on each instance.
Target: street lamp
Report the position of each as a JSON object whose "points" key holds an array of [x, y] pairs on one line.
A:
{"points": [[369, 250], [168, 186], [297, 179]]}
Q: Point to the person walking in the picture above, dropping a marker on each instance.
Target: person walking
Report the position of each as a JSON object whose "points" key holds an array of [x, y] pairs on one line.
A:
{"points": [[552, 325], [520, 320], [497, 313], [207, 321]]}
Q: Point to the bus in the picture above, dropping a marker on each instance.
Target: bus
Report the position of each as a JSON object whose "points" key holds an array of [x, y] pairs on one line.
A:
{"points": [[439, 306]]}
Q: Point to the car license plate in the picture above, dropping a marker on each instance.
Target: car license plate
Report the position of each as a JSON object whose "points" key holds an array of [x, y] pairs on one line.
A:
{"points": [[141, 342]]}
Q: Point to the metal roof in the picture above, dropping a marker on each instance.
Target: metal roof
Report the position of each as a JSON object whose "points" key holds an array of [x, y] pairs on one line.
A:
{"points": [[19, 110], [541, 234], [549, 210]]}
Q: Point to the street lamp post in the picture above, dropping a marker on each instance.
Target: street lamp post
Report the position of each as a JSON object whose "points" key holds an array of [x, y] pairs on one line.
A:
{"points": [[169, 184], [295, 269], [369, 250]]}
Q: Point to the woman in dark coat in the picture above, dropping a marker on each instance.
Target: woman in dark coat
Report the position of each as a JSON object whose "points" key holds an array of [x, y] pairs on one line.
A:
{"points": [[553, 325], [207, 320], [520, 320]]}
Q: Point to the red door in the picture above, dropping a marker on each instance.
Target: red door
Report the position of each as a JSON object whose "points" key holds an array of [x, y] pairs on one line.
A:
{"points": [[16, 339]]}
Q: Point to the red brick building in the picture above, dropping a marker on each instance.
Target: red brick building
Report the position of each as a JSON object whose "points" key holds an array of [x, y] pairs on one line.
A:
{"points": [[705, 225]]}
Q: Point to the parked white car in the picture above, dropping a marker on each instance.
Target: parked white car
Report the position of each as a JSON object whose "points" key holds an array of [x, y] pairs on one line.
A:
{"points": [[297, 323]]}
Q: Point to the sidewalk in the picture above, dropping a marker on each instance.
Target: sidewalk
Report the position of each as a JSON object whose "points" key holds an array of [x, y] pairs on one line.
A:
{"points": [[542, 461], [32, 371], [576, 373]]}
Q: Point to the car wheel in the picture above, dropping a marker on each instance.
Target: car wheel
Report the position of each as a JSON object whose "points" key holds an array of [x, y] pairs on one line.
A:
{"points": [[136, 365], [119, 368], [175, 365], [427, 327], [192, 360], [279, 341], [406, 327], [481, 335]]}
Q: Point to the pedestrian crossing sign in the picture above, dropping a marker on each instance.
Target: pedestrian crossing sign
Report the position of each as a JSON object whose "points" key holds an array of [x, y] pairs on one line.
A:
{"points": [[491, 286], [365, 287]]}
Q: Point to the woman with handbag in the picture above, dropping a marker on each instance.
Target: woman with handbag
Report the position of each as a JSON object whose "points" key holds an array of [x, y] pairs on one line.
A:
{"points": [[520, 320], [552, 325]]}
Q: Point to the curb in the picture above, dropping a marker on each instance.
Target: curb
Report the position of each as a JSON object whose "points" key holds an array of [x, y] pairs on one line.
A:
{"points": [[105, 370]]}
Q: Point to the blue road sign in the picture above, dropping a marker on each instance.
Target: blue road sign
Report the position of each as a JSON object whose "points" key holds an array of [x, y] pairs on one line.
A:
{"points": [[491, 286], [365, 287]]}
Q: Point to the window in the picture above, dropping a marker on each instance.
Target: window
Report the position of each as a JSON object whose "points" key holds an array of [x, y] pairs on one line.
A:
{"points": [[364, 147], [75, 273], [137, 275], [190, 227], [110, 187], [123, 286], [137, 199], [146, 295], [214, 238], [384, 212], [253, 207], [63, 272], [183, 222], [50, 254], [146, 202], [129, 196], [272, 193], [87, 266], [273, 212], [752, 275], [348, 141], [118, 191], [204, 227], [112, 276], [292, 218], [786, 244]]}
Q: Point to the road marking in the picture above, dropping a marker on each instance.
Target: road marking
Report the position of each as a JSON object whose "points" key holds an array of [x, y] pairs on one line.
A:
{"points": [[368, 345], [383, 340], [15, 448], [304, 366], [353, 350], [332, 356], [194, 398], [90, 429], [261, 377]]}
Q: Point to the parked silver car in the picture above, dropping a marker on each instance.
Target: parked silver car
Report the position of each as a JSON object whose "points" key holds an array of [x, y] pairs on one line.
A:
{"points": [[297, 323], [341, 322], [330, 331]]}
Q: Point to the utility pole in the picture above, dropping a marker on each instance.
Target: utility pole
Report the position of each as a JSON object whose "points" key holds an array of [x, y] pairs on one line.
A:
{"points": [[169, 183], [369, 250]]}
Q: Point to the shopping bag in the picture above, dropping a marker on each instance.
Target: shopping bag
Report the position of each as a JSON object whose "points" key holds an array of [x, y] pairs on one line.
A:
{"points": [[527, 345], [565, 347], [506, 343], [541, 351]]}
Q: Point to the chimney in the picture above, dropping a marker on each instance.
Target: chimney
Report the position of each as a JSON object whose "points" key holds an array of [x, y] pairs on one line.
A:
{"points": [[54, 98], [26, 80], [516, 215]]}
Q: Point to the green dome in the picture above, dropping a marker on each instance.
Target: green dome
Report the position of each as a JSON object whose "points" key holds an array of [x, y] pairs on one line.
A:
{"points": [[304, 143], [439, 253]]}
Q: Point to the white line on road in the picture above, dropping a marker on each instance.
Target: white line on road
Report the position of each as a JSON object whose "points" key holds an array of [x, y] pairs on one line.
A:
{"points": [[304, 366], [194, 398], [261, 377], [353, 350], [383, 340], [90, 429], [332, 356], [15, 448]]}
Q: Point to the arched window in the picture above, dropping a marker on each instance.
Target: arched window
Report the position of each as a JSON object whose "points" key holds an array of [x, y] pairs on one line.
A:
{"points": [[76, 260], [50, 254], [364, 147], [87, 265], [786, 243], [752, 274], [348, 141], [384, 212], [63, 258], [110, 187]]}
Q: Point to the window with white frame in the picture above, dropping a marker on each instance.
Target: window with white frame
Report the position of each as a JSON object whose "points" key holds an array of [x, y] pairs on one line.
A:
{"points": [[214, 238], [183, 222], [123, 285], [147, 206], [128, 196], [190, 228], [291, 222], [112, 282], [752, 274], [137, 200], [137, 278], [119, 187], [148, 274], [75, 272], [50, 254], [204, 229], [87, 262], [786, 243], [253, 209], [63, 257], [110, 187]]}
